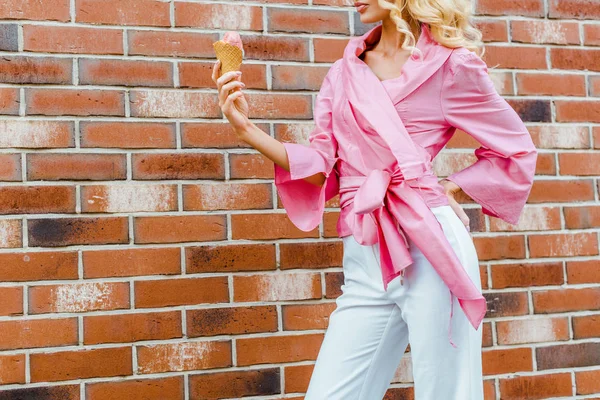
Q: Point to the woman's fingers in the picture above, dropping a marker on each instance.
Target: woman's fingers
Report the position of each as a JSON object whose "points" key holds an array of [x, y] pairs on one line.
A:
{"points": [[226, 77], [230, 99], [215, 71], [227, 88]]}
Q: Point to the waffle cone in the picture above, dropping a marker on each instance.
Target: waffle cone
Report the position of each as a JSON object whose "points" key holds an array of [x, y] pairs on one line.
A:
{"points": [[230, 56]]}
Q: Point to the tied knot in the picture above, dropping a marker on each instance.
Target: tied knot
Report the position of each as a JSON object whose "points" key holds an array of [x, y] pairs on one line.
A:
{"points": [[371, 194]]}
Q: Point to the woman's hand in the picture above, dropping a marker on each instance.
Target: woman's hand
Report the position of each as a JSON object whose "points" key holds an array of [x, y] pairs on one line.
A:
{"points": [[451, 188], [231, 99]]}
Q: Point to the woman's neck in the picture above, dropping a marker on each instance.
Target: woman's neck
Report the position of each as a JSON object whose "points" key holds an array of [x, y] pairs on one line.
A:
{"points": [[391, 40]]}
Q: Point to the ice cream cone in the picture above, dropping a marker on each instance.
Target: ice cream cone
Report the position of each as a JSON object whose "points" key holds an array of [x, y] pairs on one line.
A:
{"points": [[230, 56]]}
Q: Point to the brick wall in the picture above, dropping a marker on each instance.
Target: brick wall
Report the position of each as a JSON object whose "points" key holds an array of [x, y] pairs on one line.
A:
{"points": [[143, 250]]}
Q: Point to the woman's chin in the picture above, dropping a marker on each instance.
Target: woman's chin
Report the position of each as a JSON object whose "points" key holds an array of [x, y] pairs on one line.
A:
{"points": [[367, 19]]}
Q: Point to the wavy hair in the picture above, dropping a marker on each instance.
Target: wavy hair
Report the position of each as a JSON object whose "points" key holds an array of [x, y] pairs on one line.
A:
{"points": [[450, 22]]}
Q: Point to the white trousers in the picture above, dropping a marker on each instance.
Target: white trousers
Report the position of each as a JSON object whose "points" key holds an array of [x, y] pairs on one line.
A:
{"points": [[370, 329]]}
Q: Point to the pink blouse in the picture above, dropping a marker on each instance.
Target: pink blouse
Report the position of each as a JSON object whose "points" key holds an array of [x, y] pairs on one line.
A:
{"points": [[446, 90]]}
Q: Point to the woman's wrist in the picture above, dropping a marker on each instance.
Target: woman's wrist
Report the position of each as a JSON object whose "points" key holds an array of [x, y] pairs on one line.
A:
{"points": [[449, 187]]}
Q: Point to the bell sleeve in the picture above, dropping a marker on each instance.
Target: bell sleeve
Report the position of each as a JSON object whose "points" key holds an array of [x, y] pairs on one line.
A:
{"points": [[501, 178], [303, 201]]}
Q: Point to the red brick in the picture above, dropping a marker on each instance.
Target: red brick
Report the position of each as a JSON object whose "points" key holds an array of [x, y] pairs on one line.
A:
{"points": [[580, 9], [250, 166], [54, 167], [278, 349], [184, 356], [297, 377], [497, 248], [36, 133], [306, 316], [536, 386], [526, 331], [532, 219], [227, 196], [278, 106], [173, 104], [148, 389], [171, 44], [131, 327], [493, 30], [129, 198], [211, 16], [235, 384], [66, 392], [80, 297], [177, 292], [10, 168], [76, 39], [231, 321], [130, 135], [11, 304], [583, 272], [131, 262], [178, 166], [81, 102], [329, 49], [116, 12], [587, 326], [584, 110], [527, 274], [568, 356], [522, 57], [564, 191], [49, 232], [228, 258], [125, 72], [23, 334], [309, 21], [565, 300], [277, 287], [560, 137], [9, 101], [333, 283], [582, 217], [266, 227], [212, 135], [563, 244], [276, 48], [580, 59], [175, 229], [37, 199], [36, 70], [81, 364], [587, 382], [530, 8], [199, 74], [311, 255], [42, 266], [595, 86], [41, 10], [503, 361], [293, 77], [551, 84], [553, 32], [591, 34], [503, 304], [12, 369]]}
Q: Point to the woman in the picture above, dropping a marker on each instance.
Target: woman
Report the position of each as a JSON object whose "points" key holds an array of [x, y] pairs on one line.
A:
{"points": [[383, 112]]}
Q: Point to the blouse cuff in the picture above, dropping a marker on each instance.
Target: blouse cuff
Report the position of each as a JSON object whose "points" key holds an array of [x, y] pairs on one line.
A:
{"points": [[304, 201]]}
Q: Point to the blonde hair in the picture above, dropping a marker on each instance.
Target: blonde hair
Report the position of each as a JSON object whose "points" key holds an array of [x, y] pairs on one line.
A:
{"points": [[449, 22]]}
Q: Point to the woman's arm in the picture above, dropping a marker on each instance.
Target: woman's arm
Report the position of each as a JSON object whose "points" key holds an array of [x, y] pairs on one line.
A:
{"points": [[274, 150], [501, 178], [235, 107]]}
